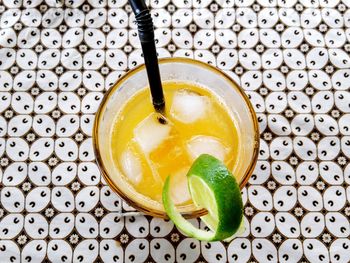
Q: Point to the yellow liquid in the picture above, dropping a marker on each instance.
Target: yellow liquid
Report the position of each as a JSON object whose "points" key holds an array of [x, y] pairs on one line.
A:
{"points": [[172, 155]]}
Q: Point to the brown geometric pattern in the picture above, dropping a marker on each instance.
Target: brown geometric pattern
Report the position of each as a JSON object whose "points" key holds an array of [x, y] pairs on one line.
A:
{"points": [[58, 58]]}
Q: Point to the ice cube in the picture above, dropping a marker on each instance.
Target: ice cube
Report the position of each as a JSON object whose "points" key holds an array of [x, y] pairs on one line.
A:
{"points": [[188, 106], [131, 166], [179, 188], [206, 144], [150, 133], [170, 154]]}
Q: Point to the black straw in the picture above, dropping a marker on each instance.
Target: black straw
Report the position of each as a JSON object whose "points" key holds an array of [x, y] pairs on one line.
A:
{"points": [[146, 35]]}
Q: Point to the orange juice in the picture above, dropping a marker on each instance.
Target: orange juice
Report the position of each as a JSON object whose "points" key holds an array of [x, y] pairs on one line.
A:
{"points": [[148, 147]]}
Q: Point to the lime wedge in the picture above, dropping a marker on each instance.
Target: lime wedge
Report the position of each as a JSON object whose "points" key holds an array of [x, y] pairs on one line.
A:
{"points": [[212, 187]]}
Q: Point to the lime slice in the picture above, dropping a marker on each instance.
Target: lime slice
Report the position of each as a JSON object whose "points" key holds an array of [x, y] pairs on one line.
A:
{"points": [[212, 187]]}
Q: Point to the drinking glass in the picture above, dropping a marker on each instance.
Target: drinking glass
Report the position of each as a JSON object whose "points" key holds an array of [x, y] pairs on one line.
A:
{"points": [[183, 70]]}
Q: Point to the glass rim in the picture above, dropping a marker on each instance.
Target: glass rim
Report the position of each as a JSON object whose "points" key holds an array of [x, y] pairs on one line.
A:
{"points": [[98, 116]]}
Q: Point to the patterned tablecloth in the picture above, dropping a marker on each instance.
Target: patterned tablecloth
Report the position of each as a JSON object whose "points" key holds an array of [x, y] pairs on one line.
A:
{"points": [[57, 59]]}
